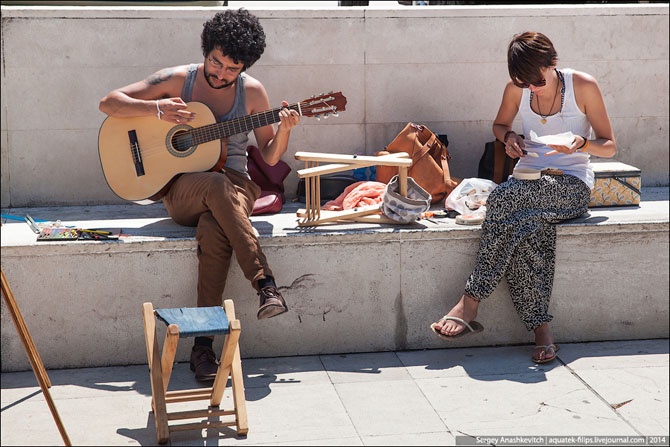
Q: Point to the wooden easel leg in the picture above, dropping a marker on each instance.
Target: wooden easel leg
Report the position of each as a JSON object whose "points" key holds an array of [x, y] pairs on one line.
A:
{"points": [[33, 355], [24, 333]]}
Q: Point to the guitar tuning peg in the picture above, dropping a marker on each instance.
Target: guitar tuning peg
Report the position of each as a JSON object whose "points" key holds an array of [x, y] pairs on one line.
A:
{"points": [[313, 96], [326, 116], [318, 117], [336, 114], [321, 94], [330, 92]]}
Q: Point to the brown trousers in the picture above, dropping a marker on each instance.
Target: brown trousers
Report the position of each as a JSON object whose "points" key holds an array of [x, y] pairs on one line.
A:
{"points": [[219, 204]]}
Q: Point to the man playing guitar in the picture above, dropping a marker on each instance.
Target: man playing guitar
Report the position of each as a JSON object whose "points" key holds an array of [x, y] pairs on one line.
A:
{"points": [[217, 203]]}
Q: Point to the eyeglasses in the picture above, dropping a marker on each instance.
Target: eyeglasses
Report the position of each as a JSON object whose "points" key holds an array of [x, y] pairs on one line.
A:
{"points": [[219, 65], [540, 83]]}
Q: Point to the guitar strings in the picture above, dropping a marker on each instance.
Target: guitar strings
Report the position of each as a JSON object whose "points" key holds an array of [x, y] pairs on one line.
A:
{"points": [[204, 134], [212, 132]]}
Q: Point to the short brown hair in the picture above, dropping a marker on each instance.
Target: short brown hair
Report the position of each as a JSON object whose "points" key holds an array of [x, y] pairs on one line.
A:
{"points": [[527, 54]]}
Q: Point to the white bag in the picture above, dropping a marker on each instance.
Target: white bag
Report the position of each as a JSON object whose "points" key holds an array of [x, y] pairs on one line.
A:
{"points": [[469, 197]]}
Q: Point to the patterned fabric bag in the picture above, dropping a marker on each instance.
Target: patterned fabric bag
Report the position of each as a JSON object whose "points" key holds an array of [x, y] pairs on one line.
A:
{"points": [[405, 209]]}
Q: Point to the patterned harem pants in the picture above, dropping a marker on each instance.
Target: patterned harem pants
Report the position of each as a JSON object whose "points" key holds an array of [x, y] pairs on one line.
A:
{"points": [[518, 240]]}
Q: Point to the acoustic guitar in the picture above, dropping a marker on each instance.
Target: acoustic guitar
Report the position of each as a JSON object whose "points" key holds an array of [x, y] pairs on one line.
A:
{"points": [[141, 157]]}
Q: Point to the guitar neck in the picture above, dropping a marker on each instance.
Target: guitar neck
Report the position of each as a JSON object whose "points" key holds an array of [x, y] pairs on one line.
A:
{"points": [[242, 124]]}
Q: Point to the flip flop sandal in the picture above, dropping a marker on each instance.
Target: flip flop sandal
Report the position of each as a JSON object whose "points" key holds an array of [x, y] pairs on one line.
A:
{"points": [[470, 328], [546, 347]]}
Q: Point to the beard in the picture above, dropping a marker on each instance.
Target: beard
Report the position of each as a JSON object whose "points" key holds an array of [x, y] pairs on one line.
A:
{"points": [[224, 85]]}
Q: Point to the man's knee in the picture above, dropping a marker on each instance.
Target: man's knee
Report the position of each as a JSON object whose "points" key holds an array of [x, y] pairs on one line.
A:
{"points": [[217, 182], [209, 233]]}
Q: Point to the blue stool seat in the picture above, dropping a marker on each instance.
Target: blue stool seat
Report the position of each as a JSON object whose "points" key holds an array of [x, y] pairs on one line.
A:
{"points": [[196, 321]]}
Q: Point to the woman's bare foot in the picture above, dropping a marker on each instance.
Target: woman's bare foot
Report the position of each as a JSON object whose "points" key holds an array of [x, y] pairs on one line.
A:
{"points": [[466, 309], [545, 350]]}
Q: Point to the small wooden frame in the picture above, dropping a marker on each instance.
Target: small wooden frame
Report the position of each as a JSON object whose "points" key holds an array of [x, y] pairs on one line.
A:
{"points": [[313, 215], [230, 366]]}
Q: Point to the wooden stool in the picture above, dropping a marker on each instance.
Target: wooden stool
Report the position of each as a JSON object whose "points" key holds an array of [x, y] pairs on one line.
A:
{"points": [[193, 322], [313, 215]]}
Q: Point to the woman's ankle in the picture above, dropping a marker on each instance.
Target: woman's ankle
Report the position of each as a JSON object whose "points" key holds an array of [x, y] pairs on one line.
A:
{"points": [[542, 329], [470, 302], [543, 334]]}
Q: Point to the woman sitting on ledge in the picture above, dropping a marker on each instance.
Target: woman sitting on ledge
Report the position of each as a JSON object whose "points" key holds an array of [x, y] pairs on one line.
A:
{"points": [[518, 238]]}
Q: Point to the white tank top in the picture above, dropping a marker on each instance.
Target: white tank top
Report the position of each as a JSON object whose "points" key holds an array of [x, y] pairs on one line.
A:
{"points": [[570, 118]]}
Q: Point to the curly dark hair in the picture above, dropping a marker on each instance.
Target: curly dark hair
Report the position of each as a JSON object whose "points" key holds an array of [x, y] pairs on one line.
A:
{"points": [[238, 34]]}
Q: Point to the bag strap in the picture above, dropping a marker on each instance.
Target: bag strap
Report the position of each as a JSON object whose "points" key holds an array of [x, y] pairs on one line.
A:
{"points": [[443, 155], [418, 155], [432, 143], [628, 185], [429, 146], [444, 160]]}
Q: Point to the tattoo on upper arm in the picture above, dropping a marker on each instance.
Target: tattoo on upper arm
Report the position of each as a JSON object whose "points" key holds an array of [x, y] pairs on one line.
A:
{"points": [[160, 76]]}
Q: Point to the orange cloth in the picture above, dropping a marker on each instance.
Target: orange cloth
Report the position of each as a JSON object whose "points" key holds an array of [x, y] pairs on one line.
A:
{"points": [[355, 195]]}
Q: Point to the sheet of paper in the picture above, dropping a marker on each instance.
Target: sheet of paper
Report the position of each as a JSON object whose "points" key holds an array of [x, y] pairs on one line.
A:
{"points": [[561, 139]]}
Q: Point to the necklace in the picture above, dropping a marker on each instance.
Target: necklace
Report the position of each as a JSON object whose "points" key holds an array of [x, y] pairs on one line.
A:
{"points": [[560, 83]]}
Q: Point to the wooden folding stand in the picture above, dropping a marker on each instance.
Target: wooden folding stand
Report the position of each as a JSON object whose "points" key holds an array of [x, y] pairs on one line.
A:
{"points": [[33, 355], [313, 215]]}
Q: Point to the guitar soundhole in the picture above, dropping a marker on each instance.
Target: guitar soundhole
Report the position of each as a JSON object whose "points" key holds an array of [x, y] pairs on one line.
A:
{"points": [[179, 141], [182, 141]]}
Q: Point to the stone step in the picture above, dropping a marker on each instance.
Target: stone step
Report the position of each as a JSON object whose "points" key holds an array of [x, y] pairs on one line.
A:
{"points": [[350, 287]]}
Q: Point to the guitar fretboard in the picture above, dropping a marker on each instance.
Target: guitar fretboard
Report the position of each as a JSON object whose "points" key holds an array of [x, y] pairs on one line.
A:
{"points": [[242, 124]]}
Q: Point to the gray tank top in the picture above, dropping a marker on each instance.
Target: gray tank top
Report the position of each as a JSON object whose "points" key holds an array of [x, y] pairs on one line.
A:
{"points": [[237, 144]]}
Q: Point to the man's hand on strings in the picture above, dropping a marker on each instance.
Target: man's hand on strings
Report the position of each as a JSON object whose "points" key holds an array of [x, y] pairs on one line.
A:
{"points": [[174, 110], [289, 118]]}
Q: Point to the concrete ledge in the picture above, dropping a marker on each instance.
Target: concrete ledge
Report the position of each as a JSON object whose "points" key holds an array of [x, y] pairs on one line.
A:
{"points": [[350, 288]]}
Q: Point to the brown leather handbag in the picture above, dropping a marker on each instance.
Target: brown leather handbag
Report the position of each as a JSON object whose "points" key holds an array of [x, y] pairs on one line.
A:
{"points": [[430, 161]]}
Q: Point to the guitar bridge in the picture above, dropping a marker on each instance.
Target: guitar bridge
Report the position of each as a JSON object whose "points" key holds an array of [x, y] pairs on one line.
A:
{"points": [[136, 153]]}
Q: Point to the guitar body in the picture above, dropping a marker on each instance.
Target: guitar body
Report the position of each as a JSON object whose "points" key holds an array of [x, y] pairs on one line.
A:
{"points": [[140, 157]]}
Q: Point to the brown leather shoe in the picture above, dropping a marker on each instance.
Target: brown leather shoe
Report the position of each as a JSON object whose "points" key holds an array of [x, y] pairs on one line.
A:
{"points": [[204, 363], [272, 303]]}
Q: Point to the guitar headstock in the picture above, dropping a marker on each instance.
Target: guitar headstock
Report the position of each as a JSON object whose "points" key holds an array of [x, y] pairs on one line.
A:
{"points": [[324, 105]]}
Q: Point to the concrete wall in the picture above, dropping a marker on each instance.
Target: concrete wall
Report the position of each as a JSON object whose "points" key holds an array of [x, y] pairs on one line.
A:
{"points": [[442, 66]]}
